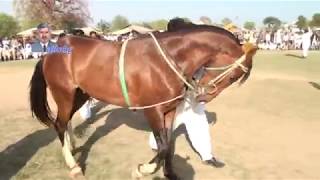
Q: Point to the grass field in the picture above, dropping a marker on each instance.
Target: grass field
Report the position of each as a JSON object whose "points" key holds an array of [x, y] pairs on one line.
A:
{"points": [[268, 128]]}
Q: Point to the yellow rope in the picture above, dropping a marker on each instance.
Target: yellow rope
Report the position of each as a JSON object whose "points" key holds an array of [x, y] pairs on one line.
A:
{"points": [[236, 64], [158, 104], [169, 62]]}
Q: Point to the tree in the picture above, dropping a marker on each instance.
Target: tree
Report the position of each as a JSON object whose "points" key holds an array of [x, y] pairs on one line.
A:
{"points": [[315, 20], [272, 22], [302, 22], [8, 25], [119, 22], [205, 20], [159, 24], [104, 26], [62, 14], [249, 25], [226, 21]]}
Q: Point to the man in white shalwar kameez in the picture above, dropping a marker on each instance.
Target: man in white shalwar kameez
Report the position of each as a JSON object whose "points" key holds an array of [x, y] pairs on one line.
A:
{"points": [[306, 42], [192, 114]]}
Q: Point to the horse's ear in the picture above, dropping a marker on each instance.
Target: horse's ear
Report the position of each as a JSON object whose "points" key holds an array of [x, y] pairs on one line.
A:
{"points": [[249, 48]]}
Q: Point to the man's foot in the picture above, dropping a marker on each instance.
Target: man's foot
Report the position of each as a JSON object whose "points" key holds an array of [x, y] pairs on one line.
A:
{"points": [[214, 162]]}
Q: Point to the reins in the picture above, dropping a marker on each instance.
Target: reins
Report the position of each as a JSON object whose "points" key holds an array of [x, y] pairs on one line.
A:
{"points": [[170, 62], [228, 69], [158, 104]]}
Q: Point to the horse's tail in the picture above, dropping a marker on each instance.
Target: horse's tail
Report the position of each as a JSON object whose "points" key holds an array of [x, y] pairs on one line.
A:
{"points": [[38, 96]]}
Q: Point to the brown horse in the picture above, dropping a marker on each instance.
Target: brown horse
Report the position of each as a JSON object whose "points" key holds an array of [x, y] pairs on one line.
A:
{"points": [[92, 70]]}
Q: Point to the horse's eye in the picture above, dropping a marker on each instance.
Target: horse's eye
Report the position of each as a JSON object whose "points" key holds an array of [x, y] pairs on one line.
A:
{"points": [[232, 79]]}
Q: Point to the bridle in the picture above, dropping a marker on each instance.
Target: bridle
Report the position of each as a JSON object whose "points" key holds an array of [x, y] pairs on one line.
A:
{"points": [[227, 70], [195, 87]]}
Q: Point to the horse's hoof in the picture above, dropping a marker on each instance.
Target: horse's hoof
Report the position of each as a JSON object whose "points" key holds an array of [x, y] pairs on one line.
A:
{"points": [[147, 169], [76, 173], [136, 174], [143, 170]]}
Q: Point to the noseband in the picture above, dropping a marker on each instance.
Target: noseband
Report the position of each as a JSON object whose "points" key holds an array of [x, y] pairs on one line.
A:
{"points": [[227, 71]]}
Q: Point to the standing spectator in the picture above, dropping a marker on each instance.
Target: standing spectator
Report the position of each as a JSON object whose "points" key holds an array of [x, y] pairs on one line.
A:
{"points": [[286, 39], [306, 41], [5, 43], [291, 40], [279, 39], [268, 39], [94, 35], [1, 45], [27, 49], [78, 32]]}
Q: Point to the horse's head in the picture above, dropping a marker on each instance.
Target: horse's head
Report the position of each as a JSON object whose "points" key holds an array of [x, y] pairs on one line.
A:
{"points": [[225, 69], [211, 55]]}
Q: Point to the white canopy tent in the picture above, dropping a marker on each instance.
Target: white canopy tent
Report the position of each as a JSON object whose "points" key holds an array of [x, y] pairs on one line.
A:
{"points": [[32, 31], [87, 30], [28, 32]]}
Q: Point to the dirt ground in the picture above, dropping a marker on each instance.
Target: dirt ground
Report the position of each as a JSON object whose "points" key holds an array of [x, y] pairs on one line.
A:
{"points": [[268, 128]]}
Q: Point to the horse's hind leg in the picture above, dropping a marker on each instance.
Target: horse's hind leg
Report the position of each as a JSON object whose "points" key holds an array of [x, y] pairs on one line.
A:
{"points": [[67, 102], [78, 100], [71, 135], [61, 128]]}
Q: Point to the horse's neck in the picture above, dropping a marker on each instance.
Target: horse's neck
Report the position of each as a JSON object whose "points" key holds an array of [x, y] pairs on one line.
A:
{"points": [[190, 59]]}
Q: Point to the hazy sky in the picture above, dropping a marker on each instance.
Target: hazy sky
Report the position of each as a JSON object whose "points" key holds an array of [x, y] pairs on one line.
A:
{"points": [[238, 11]]}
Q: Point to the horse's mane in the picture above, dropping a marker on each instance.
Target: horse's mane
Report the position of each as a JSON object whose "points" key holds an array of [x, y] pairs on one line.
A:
{"points": [[179, 24]]}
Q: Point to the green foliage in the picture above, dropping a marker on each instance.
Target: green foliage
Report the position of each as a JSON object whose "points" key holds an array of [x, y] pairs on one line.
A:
{"points": [[104, 26], [315, 20], [226, 21], [302, 22], [119, 22], [8, 25], [249, 25], [159, 24], [272, 22]]}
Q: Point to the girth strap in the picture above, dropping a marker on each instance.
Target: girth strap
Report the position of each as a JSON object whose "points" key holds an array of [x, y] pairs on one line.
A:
{"points": [[122, 73]]}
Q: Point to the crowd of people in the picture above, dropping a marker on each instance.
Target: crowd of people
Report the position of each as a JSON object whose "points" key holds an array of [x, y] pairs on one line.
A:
{"points": [[282, 39], [15, 48], [18, 48]]}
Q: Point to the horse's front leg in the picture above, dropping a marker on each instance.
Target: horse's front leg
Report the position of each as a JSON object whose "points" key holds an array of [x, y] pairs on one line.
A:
{"points": [[161, 125], [170, 147]]}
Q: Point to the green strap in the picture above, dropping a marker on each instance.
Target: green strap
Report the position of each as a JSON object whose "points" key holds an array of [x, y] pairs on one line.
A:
{"points": [[122, 74]]}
